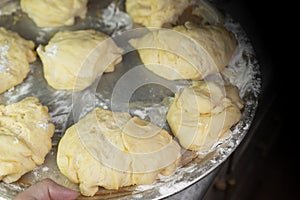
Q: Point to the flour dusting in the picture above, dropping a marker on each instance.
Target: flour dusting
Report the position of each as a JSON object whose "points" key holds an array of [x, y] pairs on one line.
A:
{"points": [[4, 62]]}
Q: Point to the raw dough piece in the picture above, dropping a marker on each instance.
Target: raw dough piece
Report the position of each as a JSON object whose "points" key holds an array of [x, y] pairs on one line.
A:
{"points": [[72, 60], [25, 137], [203, 114], [112, 150], [54, 13], [187, 52], [155, 13], [15, 54]]}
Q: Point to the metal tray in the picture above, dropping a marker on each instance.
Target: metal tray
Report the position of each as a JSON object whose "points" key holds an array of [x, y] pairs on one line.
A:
{"points": [[150, 101]]}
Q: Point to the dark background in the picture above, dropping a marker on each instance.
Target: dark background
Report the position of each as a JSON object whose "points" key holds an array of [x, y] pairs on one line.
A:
{"points": [[265, 164]]}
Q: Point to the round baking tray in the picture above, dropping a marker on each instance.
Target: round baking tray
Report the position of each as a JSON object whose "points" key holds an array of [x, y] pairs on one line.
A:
{"points": [[149, 102]]}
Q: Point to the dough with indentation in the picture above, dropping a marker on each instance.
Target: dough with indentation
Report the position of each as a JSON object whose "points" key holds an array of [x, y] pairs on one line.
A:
{"points": [[25, 137], [186, 52], [72, 60], [203, 114], [15, 55], [54, 13], [112, 150]]}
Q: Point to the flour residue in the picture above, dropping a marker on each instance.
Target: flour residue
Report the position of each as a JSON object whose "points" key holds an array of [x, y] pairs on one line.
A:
{"points": [[4, 62]]}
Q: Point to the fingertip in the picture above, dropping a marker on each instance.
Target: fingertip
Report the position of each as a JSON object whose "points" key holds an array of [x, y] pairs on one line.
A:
{"points": [[60, 192]]}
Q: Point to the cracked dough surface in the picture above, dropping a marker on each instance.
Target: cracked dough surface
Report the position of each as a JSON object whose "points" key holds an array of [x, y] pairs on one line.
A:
{"points": [[25, 137], [102, 151], [72, 60], [186, 52], [155, 13], [15, 55], [54, 13], [203, 114]]}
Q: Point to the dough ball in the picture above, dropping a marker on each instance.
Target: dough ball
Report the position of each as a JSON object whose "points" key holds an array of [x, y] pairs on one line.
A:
{"points": [[15, 55], [203, 114], [72, 60], [54, 13], [25, 137], [155, 13], [186, 52], [112, 150]]}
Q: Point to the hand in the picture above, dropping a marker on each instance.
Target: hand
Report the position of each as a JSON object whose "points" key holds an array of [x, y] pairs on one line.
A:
{"points": [[47, 190]]}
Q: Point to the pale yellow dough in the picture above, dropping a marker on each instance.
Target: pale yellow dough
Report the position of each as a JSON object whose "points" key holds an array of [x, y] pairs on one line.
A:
{"points": [[25, 137], [203, 114], [15, 55], [72, 60], [54, 13], [155, 13], [186, 52], [112, 150]]}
